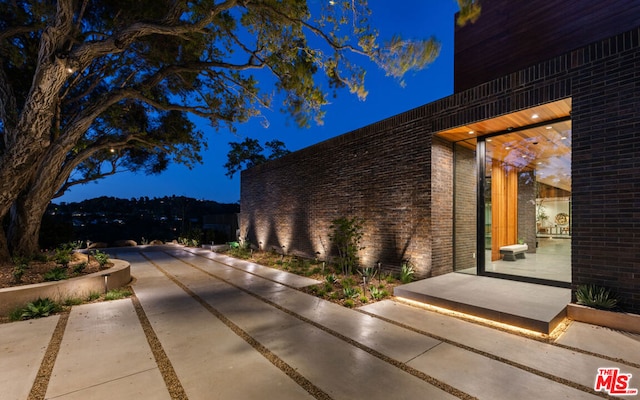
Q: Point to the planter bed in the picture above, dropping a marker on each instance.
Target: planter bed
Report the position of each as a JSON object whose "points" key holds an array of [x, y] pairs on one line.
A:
{"points": [[614, 320], [80, 287]]}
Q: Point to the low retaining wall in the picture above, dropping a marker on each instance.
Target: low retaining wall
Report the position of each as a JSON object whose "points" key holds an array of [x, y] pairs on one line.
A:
{"points": [[80, 287], [614, 320]]}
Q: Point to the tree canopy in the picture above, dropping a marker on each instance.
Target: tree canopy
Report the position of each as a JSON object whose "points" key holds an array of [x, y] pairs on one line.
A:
{"points": [[250, 153], [91, 87]]}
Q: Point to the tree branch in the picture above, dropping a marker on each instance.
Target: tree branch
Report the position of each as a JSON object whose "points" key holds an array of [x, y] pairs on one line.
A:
{"points": [[118, 42], [18, 30]]}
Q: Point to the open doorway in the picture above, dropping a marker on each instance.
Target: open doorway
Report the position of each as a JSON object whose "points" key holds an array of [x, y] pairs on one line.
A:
{"points": [[512, 196]]}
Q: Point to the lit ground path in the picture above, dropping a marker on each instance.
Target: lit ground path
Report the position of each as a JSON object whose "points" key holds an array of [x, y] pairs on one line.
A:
{"points": [[205, 326]]}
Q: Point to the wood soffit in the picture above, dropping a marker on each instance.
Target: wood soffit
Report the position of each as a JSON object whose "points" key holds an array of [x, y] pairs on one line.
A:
{"points": [[528, 143]]}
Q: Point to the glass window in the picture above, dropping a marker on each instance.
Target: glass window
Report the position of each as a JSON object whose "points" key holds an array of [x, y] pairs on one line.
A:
{"points": [[527, 203]]}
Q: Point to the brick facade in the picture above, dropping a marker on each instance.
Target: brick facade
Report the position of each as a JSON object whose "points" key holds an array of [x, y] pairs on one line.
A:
{"points": [[399, 177]]}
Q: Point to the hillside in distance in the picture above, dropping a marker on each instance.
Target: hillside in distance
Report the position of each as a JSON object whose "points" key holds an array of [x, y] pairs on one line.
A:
{"points": [[109, 219]]}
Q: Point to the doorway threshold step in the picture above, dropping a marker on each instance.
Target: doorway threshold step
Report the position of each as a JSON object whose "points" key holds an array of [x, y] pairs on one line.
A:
{"points": [[530, 306]]}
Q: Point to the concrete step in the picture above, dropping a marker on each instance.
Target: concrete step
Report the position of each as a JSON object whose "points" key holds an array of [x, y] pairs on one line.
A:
{"points": [[526, 305]]}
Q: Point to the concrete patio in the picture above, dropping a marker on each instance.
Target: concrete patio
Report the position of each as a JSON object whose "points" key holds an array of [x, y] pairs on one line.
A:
{"points": [[202, 326]]}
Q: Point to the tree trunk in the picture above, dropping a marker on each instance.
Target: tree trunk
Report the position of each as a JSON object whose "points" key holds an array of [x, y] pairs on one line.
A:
{"points": [[5, 256], [28, 139], [25, 222], [28, 210]]}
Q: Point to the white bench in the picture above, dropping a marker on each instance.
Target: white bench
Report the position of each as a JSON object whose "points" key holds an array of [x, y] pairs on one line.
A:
{"points": [[513, 251]]}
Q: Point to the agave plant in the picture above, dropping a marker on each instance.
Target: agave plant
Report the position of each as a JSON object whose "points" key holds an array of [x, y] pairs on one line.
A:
{"points": [[596, 296], [406, 272], [39, 308]]}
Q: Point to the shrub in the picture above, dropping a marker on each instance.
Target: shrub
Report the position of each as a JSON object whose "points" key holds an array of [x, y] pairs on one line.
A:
{"points": [[406, 272], [56, 274], [348, 281], [349, 303], [377, 294], [367, 274], [389, 278], [73, 245], [320, 291], [63, 256], [350, 292], [240, 250], [20, 266], [37, 309], [331, 278], [596, 296], [346, 237], [78, 268], [101, 258]]}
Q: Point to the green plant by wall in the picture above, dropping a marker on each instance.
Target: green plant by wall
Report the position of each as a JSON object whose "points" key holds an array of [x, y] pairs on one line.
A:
{"points": [[72, 301], [346, 237], [350, 292], [591, 295], [93, 296], [37, 309], [377, 293], [191, 237], [331, 279], [117, 294], [406, 272], [240, 250]]}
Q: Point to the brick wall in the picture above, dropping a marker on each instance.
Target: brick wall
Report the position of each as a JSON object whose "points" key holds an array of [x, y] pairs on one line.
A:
{"points": [[399, 178], [606, 167], [465, 203], [291, 202]]}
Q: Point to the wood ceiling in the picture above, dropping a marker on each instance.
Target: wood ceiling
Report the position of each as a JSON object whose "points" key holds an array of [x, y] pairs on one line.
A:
{"points": [[529, 143]]}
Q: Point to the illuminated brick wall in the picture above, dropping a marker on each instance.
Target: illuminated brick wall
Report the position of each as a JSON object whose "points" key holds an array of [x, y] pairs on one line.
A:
{"points": [[400, 179]]}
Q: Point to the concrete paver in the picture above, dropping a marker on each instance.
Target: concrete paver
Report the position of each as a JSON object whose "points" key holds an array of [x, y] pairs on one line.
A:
{"points": [[292, 280], [601, 340], [209, 359], [486, 378], [104, 352], [388, 339], [336, 367], [564, 363], [204, 324], [22, 347]]}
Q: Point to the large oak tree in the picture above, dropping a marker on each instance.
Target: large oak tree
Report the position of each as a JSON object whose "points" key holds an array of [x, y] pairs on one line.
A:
{"points": [[88, 87]]}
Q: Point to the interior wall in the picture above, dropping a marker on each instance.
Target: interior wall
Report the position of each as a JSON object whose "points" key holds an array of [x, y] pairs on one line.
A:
{"points": [[527, 209]]}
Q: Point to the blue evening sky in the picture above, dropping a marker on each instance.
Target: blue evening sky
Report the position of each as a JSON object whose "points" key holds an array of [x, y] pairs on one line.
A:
{"points": [[409, 18]]}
